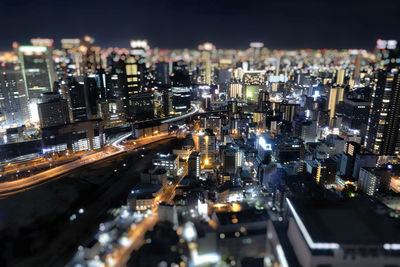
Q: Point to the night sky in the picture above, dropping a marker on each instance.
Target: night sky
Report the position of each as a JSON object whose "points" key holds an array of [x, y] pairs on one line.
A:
{"points": [[186, 23]]}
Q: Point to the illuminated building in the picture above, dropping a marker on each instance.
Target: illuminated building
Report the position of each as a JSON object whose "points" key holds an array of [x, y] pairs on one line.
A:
{"points": [[36, 66], [363, 160], [139, 47], [208, 148], [335, 96], [235, 90], [76, 99], [180, 99], [384, 121], [285, 110], [213, 122], [340, 73], [53, 111], [253, 82], [206, 57], [348, 157], [13, 98], [355, 114], [112, 112], [368, 181], [306, 130], [135, 89], [79, 136], [168, 162], [194, 166]]}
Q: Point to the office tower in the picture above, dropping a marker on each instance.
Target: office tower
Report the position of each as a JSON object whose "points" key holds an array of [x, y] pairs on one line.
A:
{"points": [[162, 74], [180, 76], [232, 160], [384, 121], [112, 112], [363, 160], [323, 171], [53, 111], [368, 182], [285, 110], [180, 99], [347, 158], [207, 147], [232, 106], [77, 99], [13, 98], [236, 90], [357, 66], [206, 49], [355, 114], [263, 101], [340, 73], [38, 74], [335, 96], [93, 87], [141, 106], [169, 162], [194, 166], [306, 130], [253, 82]]}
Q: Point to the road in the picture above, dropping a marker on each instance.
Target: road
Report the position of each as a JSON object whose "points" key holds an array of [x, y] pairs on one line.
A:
{"points": [[121, 255], [195, 109], [13, 187]]}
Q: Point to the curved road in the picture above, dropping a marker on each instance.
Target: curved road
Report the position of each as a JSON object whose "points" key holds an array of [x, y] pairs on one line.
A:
{"points": [[13, 187]]}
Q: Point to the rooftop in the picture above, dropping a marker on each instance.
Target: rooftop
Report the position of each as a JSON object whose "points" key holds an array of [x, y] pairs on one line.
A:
{"points": [[344, 222]]}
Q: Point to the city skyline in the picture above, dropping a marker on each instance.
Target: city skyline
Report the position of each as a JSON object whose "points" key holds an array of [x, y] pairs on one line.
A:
{"points": [[260, 134]]}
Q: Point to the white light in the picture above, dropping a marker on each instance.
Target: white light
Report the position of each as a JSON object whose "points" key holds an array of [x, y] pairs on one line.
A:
{"points": [[264, 144], [189, 233], [391, 246], [281, 256], [209, 258], [33, 112], [32, 49], [104, 238], [124, 241], [305, 233]]}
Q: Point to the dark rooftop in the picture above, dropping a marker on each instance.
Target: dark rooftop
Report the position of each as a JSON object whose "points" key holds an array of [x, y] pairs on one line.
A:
{"points": [[347, 221]]}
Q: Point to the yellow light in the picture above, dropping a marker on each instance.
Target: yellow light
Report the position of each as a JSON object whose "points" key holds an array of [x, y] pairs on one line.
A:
{"points": [[236, 207], [206, 161]]}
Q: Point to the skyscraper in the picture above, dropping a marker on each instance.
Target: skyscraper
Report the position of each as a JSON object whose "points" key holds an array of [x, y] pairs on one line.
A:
{"points": [[384, 121], [13, 100], [53, 111]]}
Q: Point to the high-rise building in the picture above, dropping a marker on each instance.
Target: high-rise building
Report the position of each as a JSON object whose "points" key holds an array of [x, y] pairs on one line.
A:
{"points": [[236, 90], [76, 99], [253, 81], [384, 121], [36, 66], [194, 166], [53, 111], [334, 97], [180, 99], [207, 147], [141, 106], [13, 98]]}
